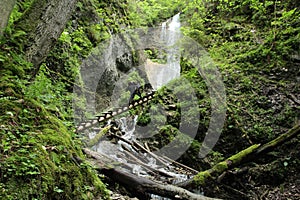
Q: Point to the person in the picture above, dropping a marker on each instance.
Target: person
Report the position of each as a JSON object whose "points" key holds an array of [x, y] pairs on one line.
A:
{"points": [[134, 89], [147, 87]]}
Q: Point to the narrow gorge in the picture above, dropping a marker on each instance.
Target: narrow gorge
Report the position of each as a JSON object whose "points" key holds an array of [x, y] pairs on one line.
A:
{"points": [[152, 99]]}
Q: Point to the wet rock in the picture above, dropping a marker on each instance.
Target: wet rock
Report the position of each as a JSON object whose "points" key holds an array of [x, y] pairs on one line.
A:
{"points": [[124, 62]]}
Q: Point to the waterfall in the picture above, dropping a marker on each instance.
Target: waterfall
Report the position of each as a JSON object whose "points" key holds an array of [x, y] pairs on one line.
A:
{"points": [[160, 74], [141, 161]]}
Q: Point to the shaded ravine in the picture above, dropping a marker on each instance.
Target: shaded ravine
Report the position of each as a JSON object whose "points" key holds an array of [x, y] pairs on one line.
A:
{"points": [[158, 74], [116, 138]]}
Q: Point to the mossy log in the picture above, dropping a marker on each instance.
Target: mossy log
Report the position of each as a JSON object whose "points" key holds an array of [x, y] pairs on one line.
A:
{"points": [[291, 133], [203, 177], [140, 186], [248, 154]]}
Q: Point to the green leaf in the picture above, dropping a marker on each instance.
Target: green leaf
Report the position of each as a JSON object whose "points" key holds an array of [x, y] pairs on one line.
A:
{"points": [[18, 33]]}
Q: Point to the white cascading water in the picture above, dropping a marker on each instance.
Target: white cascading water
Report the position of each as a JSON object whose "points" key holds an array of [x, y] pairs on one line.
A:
{"points": [[160, 74], [172, 35]]}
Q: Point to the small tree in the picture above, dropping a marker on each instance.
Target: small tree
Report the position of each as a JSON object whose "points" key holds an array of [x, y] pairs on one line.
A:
{"points": [[43, 22]]}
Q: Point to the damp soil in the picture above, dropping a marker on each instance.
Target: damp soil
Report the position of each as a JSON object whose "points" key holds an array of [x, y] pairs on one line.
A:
{"points": [[274, 175]]}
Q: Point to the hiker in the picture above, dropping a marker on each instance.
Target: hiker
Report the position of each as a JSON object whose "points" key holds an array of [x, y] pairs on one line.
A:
{"points": [[134, 89]]}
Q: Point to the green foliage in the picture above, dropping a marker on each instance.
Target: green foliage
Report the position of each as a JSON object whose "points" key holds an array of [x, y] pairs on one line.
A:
{"points": [[251, 41], [152, 12], [255, 45], [156, 56], [38, 145], [51, 95], [38, 149]]}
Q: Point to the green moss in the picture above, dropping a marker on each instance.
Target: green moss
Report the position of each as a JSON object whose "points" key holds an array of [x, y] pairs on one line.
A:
{"points": [[39, 156], [38, 149], [239, 156], [220, 167], [201, 178], [241, 44], [99, 135]]}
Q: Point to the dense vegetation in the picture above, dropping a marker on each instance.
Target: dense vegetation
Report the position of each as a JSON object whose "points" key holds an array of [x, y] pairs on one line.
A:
{"points": [[40, 154], [256, 47], [254, 43]]}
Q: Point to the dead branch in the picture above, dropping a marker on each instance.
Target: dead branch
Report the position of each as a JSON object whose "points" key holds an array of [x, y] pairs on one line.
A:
{"points": [[139, 185]]}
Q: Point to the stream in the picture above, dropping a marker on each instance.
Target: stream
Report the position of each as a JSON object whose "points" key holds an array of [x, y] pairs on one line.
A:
{"points": [[136, 157]]}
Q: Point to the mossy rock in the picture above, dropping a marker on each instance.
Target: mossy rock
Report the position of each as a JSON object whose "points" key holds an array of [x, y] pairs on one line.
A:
{"points": [[39, 156]]}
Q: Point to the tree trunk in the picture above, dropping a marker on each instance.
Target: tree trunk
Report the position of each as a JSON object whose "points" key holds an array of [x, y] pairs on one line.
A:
{"points": [[43, 22], [6, 7]]}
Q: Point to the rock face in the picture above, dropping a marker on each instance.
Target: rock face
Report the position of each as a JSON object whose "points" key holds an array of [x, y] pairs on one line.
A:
{"points": [[158, 74], [102, 70], [124, 62], [105, 72]]}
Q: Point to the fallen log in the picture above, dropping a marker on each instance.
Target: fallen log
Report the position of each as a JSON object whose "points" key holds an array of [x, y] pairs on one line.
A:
{"points": [[203, 177], [291, 133], [252, 152], [142, 185], [139, 185]]}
